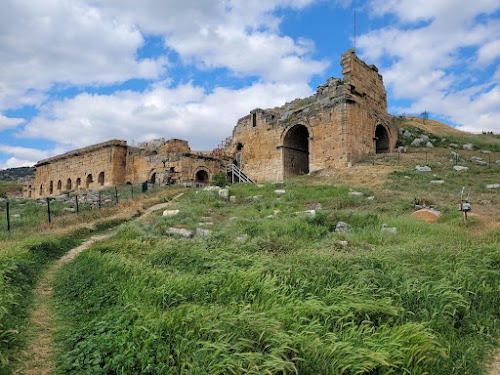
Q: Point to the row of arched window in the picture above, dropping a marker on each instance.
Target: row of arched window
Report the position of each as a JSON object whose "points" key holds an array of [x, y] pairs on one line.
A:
{"points": [[69, 185]]}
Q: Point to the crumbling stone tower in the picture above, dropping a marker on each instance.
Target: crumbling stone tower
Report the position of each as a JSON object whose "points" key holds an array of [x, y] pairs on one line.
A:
{"points": [[343, 122]]}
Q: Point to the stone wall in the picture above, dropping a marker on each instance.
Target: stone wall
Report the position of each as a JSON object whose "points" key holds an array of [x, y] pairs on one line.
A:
{"points": [[343, 122], [86, 168], [158, 162]]}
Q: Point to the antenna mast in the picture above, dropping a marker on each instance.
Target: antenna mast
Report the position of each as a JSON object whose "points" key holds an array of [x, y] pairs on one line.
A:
{"points": [[354, 30]]}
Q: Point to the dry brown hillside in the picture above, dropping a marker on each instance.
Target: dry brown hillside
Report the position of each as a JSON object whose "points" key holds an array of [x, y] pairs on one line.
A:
{"points": [[432, 126]]}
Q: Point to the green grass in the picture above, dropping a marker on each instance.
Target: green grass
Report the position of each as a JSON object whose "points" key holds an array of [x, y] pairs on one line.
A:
{"points": [[289, 299]]}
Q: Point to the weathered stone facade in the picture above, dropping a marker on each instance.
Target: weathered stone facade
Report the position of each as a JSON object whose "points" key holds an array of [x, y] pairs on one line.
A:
{"points": [[343, 122], [111, 163]]}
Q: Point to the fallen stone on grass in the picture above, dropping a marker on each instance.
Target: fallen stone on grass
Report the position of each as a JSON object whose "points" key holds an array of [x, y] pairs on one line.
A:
{"points": [[493, 186], [424, 168], [203, 232], [306, 213], [342, 227], [387, 229], [355, 194], [468, 146], [437, 182], [224, 194], [427, 214], [343, 243], [232, 198], [280, 191], [168, 213], [242, 238], [180, 232], [460, 168]]}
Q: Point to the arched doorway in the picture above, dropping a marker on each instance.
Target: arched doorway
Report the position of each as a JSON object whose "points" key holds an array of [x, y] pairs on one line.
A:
{"points": [[381, 140], [100, 179], [152, 179], [296, 152], [68, 184], [201, 177], [88, 181]]}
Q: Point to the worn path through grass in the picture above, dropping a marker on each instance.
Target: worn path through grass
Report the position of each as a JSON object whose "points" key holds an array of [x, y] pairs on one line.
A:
{"points": [[39, 353]]}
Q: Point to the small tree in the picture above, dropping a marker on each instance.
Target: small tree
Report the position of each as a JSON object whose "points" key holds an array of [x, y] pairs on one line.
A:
{"points": [[220, 179]]}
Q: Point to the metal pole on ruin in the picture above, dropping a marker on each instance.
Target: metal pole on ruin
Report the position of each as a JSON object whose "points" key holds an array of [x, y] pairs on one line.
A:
{"points": [[116, 194], [48, 210], [77, 206], [8, 215]]}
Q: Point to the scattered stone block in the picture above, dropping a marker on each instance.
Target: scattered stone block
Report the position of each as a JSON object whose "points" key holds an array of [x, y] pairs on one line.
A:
{"points": [[429, 145], [168, 213], [207, 224], [454, 145], [342, 227], [343, 243], [485, 151], [424, 168], [203, 232], [424, 138], [460, 168], [242, 238], [355, 194], [69, 209], [280, 191], [468, 146], [387, 229], [180, 232], [306, 213], [481, 162], [427, 214], [371, 198], [232, 198], [437, 182], [407, 134], [497, 162], [416, 142], [15, 216], [493, 186], [224, 194]]}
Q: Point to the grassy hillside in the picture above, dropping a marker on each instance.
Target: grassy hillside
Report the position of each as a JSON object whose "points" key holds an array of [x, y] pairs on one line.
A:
{"points": [[266, 285], [269, 290]]}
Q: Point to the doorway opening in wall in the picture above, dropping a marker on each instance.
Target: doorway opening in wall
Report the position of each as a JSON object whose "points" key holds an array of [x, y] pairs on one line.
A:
{"points": [[237, 158], [29, 191], [88, 181], [152, 179], [201, 177], [78, 182], [100, 179], [68, 184], [381, 140], [51, 187], [296, 152]]}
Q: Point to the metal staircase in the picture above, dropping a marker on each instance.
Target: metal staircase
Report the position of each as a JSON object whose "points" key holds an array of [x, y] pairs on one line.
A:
{"points": [[237, 174]]}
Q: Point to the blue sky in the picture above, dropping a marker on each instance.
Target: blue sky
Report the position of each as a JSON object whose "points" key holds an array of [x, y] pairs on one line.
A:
{"points": [[79, 72]]}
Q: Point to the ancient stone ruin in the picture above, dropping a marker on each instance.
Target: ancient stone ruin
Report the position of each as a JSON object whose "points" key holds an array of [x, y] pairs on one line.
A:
{"points": [[343, 122]]}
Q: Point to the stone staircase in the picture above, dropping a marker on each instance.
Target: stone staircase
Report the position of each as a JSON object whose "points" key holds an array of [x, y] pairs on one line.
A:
{"points": [[237, 174]]}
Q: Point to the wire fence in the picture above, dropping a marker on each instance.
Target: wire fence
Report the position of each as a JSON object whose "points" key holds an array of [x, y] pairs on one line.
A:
{"points": [[468, 158], [24, 213]]}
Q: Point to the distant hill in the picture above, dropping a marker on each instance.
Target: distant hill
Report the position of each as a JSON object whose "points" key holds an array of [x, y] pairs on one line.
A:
{"points": [[14, 174], [432, 126]]}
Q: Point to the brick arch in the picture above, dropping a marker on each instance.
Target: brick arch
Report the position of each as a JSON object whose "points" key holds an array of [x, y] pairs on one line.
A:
{"points": [[382, 138], [287, 129], [295, 150], [202, 175]]}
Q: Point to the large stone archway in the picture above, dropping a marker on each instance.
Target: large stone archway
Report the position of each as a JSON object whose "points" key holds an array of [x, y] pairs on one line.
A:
{"points": [[382, 140], [202, 177], [296, 151]]}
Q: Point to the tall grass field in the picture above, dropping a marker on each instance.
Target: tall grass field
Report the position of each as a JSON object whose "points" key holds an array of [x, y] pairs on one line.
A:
{"points": [[274, 290]]}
